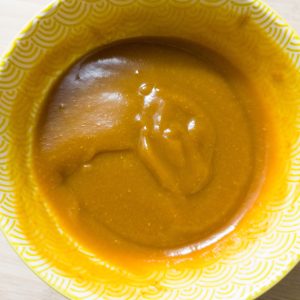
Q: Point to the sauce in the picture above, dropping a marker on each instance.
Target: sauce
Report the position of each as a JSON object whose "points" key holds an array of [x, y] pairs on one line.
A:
{"points": [[150, 148]]}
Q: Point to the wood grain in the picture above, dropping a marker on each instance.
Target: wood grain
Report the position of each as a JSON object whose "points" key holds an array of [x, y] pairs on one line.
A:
{"points": [[17, 282]]}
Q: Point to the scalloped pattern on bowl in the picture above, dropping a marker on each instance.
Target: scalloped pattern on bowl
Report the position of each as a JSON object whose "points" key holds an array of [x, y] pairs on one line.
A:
{"points": [[51, 42]]}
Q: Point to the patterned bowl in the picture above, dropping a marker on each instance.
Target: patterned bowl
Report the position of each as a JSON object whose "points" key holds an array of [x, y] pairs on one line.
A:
{"points": [[263, 248]]}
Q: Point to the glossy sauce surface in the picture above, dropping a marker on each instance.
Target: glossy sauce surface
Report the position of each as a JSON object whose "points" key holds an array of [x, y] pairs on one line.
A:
{"points": [[150, 146]]}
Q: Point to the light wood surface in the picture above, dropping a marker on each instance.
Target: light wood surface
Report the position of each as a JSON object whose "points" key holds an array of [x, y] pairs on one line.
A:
{"points": [[17, 282]]}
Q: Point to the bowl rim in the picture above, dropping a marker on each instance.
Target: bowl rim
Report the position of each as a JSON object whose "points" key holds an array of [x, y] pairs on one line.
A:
{"points": [[5, 57]]}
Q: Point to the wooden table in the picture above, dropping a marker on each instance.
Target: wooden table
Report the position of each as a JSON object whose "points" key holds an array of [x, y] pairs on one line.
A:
{"points": [[17, 282]]}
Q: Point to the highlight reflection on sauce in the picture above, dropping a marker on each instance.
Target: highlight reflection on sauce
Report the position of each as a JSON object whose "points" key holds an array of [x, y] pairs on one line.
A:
{"points": [[149, 147], [170, 142]]}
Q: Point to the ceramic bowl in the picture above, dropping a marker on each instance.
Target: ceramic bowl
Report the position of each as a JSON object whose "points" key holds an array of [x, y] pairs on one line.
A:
{"points": [[266, 244]]}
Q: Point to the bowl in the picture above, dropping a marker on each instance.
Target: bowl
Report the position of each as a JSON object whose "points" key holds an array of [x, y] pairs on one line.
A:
{"points": [[263, 248]]}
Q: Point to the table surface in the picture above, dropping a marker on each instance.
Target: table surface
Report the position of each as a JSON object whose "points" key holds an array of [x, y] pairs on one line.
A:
{"points": [[17, 282]]}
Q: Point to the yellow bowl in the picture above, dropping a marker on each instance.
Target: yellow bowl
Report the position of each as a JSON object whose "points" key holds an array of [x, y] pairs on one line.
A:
{"points": [[264, 247]]}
